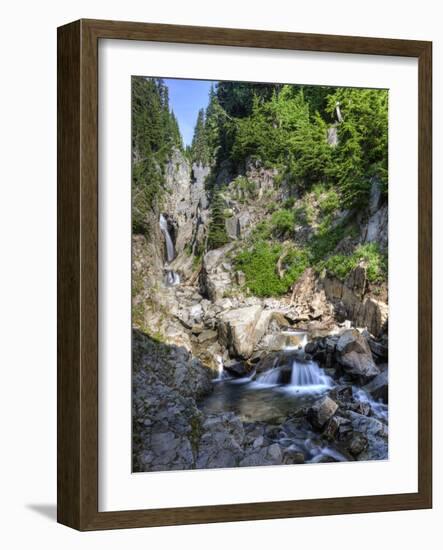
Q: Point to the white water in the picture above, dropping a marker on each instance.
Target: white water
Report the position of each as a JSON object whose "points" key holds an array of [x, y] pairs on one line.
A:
{"points": [[379, 409], [169, 244], [220, 370], [172, 278], [306, 376]]}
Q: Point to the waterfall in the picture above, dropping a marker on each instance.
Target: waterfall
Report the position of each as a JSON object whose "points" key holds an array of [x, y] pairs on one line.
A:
{"points": [[292, 370], [309, 376], [171, 278], [169, 244], [272, 377], [220, 370]]}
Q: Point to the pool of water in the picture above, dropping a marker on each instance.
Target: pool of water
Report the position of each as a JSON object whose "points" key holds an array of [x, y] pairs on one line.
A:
{"points": [[255, 401]]}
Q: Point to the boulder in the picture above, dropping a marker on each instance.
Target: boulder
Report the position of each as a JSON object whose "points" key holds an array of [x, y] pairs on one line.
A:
{"points": [[237, 330], [240, 369], [354, 354], [292, 455], [215, 275], [232, 227], [358, 444], [376, 434], [378, 387], [321, 411]]}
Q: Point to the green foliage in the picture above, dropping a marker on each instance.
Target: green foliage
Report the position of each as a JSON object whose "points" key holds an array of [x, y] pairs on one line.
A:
{"points": [[369, 254], [282, 222], [282, 131], [217, 235], [259, 264], [199, 147], [362, 151], [155, 134], [324, 241], [244, 188], [329, 202]]}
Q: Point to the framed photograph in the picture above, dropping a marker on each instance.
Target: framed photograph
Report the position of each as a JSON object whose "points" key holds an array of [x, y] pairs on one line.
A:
{"points": [[244, 275]]}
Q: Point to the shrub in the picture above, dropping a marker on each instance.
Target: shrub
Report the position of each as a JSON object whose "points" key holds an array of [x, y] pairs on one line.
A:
{"points": [[282, 222], [259, 264], [329, 202], [289, 203], [375, 261]]}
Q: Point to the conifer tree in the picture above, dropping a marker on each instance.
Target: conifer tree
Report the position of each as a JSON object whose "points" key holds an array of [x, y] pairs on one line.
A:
{"points": [[199, 145], [217, 235]]}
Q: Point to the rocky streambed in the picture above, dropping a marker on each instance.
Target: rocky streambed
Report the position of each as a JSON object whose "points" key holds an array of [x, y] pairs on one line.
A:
{"points": [[319, 401]]}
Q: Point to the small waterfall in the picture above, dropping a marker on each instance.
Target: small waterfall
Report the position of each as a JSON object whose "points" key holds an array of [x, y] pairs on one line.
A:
{"points": [[172, 278], [169, 244], [379, 409], [271, 377], [294, 372], [308, 376], [220, 370]]}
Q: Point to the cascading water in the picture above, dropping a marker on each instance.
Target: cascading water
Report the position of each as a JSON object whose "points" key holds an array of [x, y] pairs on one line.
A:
{"points": [[172, 278], [308, 376], [296, 373]]}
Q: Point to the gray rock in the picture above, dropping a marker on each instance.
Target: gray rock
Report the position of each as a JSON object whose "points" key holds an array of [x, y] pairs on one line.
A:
{"points": [[379, 387], [237, 330], [232, 227], [354, 354], [358, 444], [207, 336], [238, 368], [321, 411], [292, 455]]}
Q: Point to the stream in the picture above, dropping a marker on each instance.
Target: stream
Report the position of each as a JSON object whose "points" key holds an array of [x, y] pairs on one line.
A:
{"points": [[281, 395]]}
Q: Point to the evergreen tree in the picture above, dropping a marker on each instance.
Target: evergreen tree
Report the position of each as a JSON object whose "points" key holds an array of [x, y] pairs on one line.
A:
{"points": [[199, 147], [217, 235], [155, 133], [362, 152]]}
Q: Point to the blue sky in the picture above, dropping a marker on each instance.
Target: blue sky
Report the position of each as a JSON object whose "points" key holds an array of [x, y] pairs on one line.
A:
{"points": [[186, 98]]}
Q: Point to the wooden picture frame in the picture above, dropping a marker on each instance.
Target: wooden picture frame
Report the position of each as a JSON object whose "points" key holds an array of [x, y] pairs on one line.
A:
{"points": [[78, 274]]}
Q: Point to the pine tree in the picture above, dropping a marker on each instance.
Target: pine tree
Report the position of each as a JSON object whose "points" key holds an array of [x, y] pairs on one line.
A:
{"points": [[199, 146], [155, 133], [217, 235]]}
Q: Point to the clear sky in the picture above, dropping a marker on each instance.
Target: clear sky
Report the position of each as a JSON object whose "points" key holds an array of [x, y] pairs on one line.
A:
{"points": [[186, 98]]}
